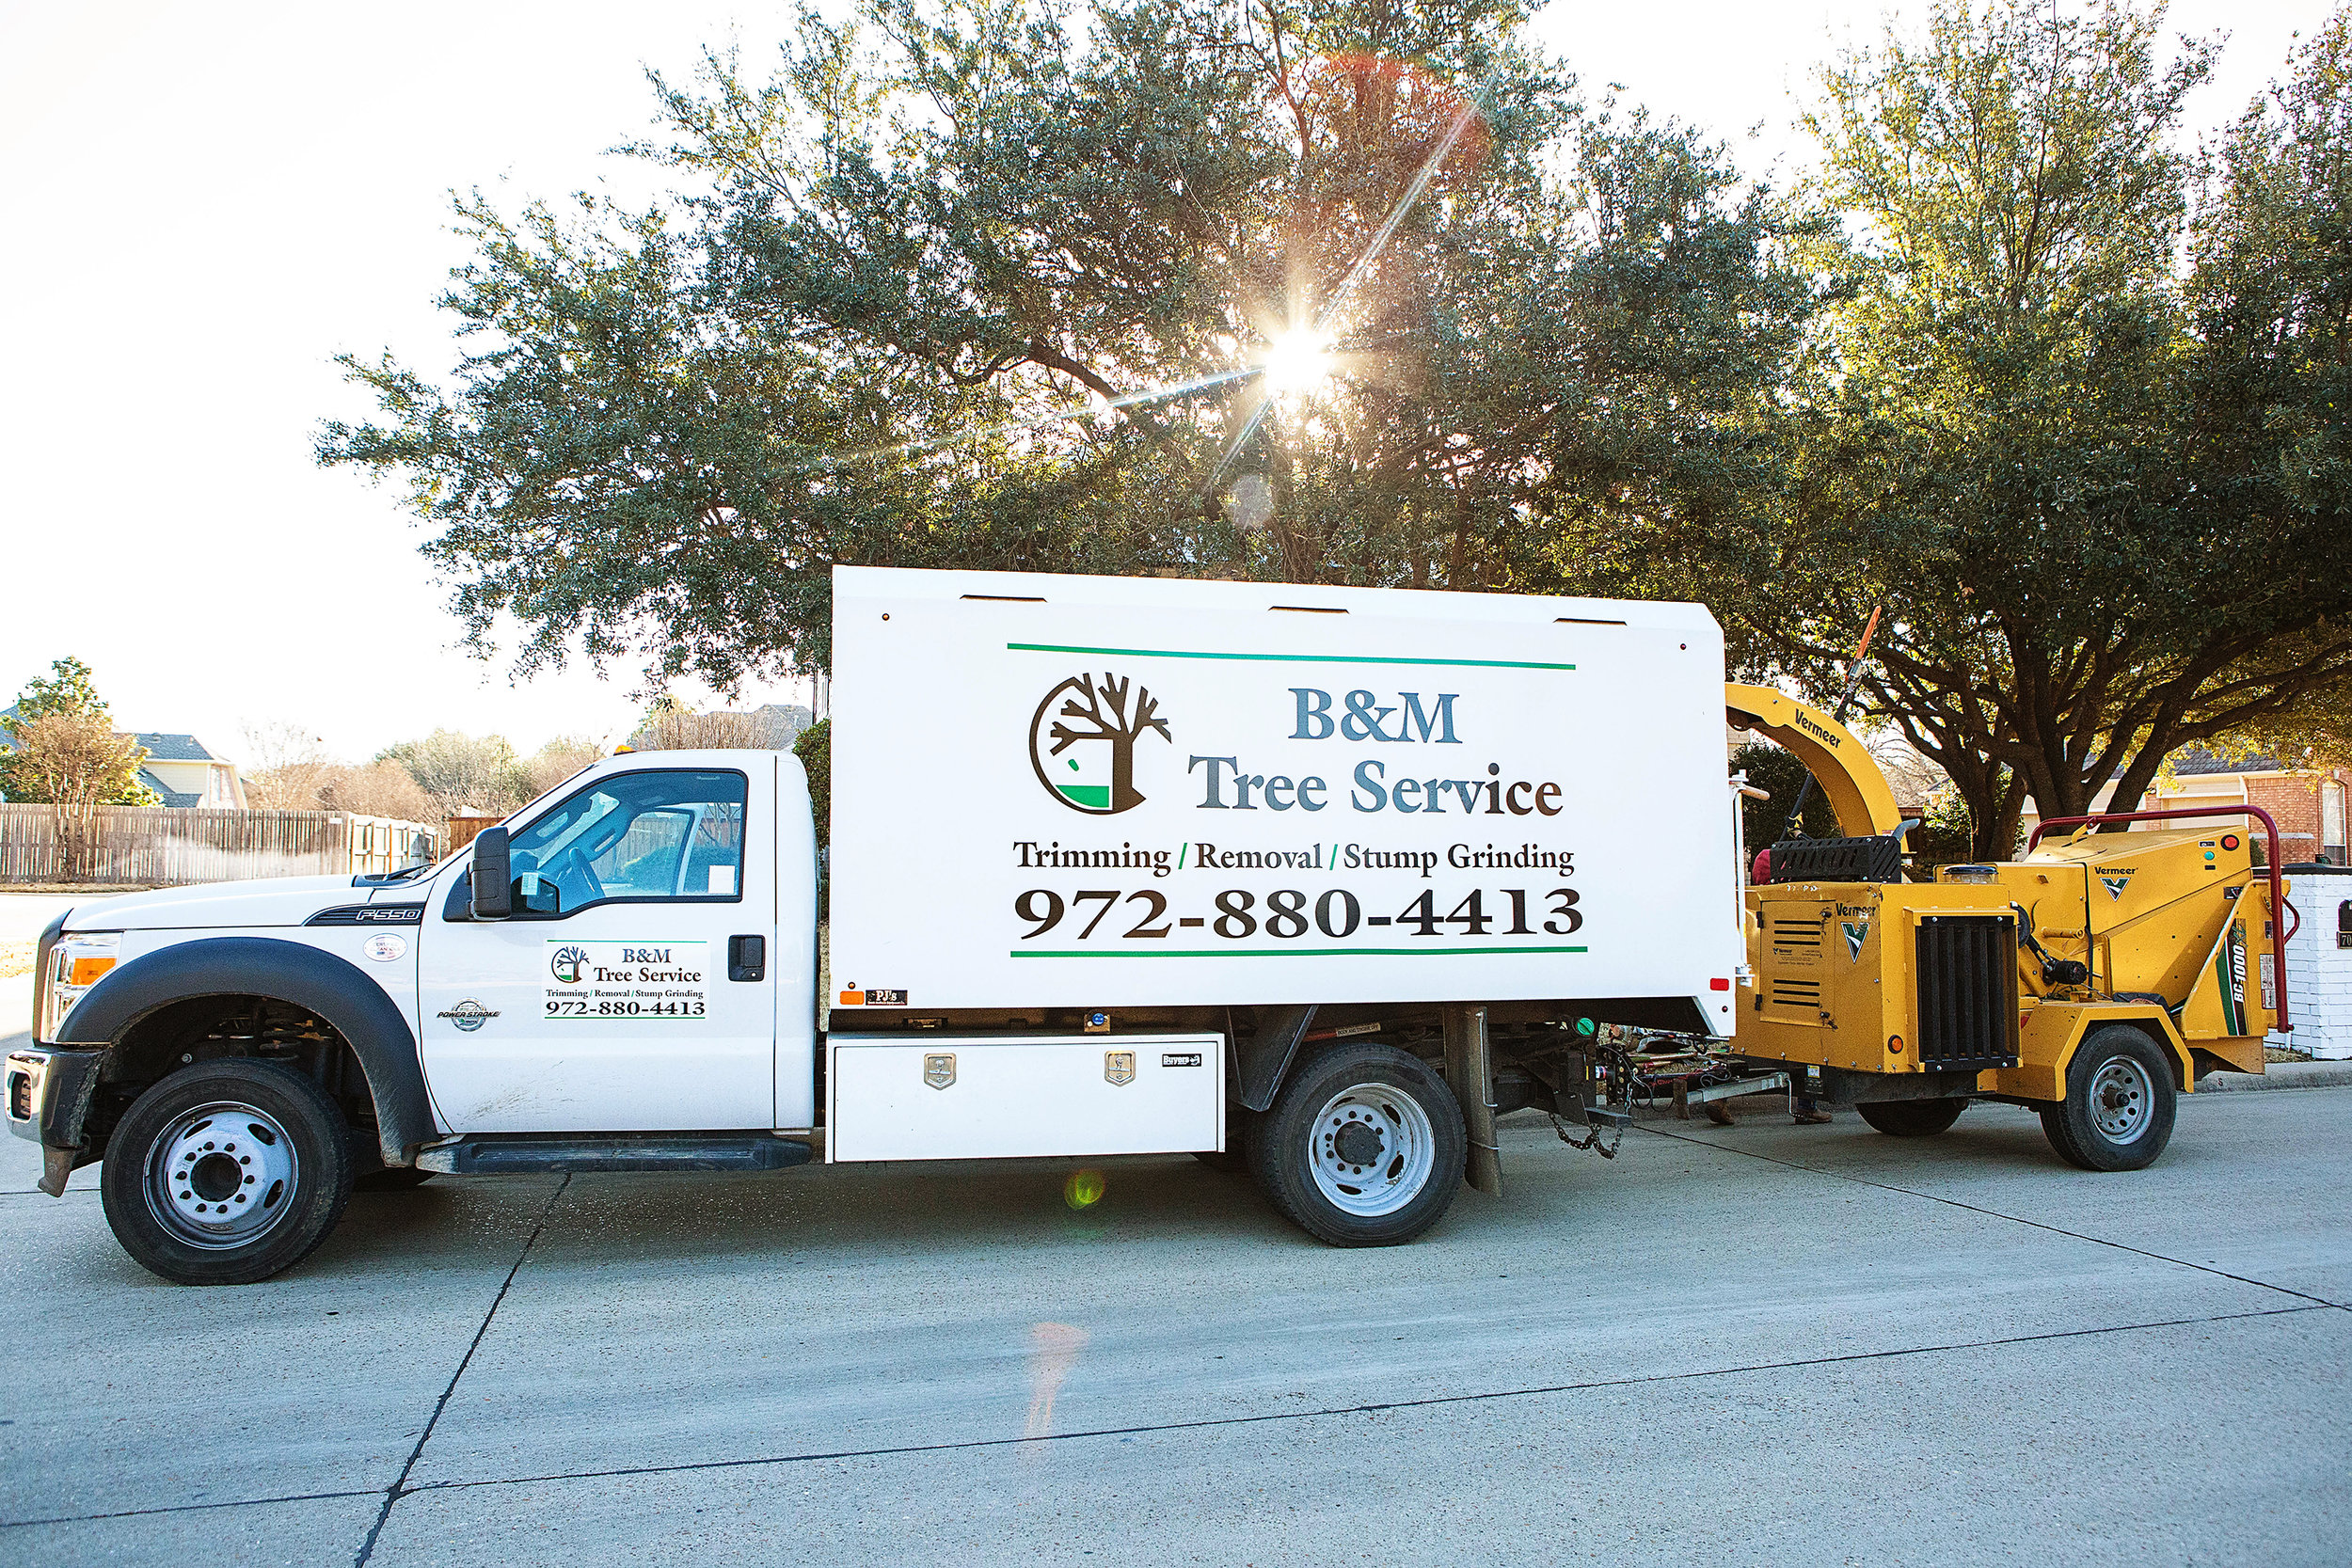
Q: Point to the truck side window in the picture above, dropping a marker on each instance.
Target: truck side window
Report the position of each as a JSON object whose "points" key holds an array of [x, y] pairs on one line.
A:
{"points": [[659, 834]]}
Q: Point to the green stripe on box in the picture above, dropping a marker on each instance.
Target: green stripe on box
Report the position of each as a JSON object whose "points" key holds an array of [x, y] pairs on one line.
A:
{"points": [[1284, 952], [1280, 658]]}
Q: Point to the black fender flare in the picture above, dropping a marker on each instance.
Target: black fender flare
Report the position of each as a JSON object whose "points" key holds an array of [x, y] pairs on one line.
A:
{"points": [[289, 972]]}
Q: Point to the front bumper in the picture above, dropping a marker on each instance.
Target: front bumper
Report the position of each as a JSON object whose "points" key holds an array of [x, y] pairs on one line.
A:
{"points": [[47, 1091]]}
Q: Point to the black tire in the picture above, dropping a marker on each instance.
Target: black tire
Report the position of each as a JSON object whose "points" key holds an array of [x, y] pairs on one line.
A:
{"points": [[1411, 1141], [1913, 1118], [228, 1133], [2119, 1102], [391, 1178]]}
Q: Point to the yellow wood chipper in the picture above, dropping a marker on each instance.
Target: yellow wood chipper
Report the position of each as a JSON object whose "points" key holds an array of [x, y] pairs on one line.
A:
{"points": [[2093, 980]]}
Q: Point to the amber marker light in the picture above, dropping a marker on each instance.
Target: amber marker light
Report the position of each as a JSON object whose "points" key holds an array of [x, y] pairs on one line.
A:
{"points": [[1894, 1044]]}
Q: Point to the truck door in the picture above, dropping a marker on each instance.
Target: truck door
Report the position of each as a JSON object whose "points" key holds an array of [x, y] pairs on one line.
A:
{"points": [[630, 991]]}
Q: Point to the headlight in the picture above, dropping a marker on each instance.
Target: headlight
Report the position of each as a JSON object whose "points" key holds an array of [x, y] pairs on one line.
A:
{"points": [[79, 961]]}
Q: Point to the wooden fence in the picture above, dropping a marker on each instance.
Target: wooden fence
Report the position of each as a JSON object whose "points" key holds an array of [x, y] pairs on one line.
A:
{"points": [[159, 846]]}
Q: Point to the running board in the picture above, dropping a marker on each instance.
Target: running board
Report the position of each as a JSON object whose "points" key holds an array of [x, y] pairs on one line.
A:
{"points": [[519, 1156]]}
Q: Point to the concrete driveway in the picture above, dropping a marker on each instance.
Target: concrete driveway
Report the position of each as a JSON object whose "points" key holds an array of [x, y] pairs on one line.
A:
{"points": [[1759, 1344]]}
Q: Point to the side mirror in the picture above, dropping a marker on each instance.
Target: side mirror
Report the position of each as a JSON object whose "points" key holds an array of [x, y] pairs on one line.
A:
{"points": [[493, 875]]}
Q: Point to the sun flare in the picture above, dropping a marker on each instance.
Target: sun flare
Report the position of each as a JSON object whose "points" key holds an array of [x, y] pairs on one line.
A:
{"points": [[1297, 360]]}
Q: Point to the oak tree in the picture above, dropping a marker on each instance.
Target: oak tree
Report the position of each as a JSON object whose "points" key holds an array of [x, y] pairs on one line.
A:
{"points": [[1362, 292], [2103, 499]]}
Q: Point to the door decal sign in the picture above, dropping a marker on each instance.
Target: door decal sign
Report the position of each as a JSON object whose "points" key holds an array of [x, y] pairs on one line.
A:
{"points": [[620, 981]]}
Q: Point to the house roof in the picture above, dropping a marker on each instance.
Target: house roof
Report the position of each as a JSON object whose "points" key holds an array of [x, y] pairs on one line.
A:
{"points": [[2192, 761], [162, 747], [180, 798]]}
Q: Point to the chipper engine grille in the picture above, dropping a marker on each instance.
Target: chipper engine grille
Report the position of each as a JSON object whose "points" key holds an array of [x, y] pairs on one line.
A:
{"points": [[1967, 978]]}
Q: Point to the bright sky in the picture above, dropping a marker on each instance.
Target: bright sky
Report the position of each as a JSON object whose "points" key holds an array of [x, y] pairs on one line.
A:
{"points": [[208, 202]]}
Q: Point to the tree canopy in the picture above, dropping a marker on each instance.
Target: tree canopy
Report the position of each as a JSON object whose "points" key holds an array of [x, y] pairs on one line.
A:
{"points": [[2101, 494], [76, 755], [1368, 291], [1359, 294]]}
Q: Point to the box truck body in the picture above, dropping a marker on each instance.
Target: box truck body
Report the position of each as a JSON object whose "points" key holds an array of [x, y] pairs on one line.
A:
{"points": [[1119, 793]]}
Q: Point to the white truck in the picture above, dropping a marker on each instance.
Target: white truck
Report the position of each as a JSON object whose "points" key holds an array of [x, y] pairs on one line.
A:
{"points": [[1314, 880]]}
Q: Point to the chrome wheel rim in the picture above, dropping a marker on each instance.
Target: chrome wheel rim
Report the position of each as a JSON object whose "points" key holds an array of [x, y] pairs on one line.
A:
{"points": [[2122, 1099], [221, 1176], [1371, 1149]]}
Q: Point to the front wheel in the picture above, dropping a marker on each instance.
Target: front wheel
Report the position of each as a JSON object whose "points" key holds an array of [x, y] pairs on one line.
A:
{"points": [[1912, 1118], [2119, 1106], [1362, 1147], [226, 1173]]}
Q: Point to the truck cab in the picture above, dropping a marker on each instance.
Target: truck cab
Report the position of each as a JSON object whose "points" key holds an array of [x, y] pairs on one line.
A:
{"points": [[650, 969], [656, 966]]}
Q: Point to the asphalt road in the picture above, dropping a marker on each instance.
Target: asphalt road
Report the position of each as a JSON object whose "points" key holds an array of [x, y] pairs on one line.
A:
{"points": [[1762, 1344]]}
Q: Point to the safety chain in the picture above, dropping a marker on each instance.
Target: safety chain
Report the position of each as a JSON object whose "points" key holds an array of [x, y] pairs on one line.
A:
{"points": [[1590, 1140], [1620, 1066]]}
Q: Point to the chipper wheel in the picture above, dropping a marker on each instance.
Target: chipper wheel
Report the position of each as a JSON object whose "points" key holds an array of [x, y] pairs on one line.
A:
{"points": [[1362, 1147], [1913, 1118], [2119, 1102], [226, 1173]]}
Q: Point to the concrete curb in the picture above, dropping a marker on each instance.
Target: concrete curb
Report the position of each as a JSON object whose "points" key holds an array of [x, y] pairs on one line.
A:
{"points": [[2280, 1075]]}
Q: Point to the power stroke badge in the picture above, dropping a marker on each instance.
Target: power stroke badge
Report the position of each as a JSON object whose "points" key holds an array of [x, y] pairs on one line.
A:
{"points": [[592, 978]]}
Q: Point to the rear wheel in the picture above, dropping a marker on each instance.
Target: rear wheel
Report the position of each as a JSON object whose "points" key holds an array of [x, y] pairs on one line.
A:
{"points": [[1912, 1118], [226, 1173], [2119, 1106], [1362, 1147]]}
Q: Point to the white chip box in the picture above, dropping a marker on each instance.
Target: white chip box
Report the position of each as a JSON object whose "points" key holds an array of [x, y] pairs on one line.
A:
{"points": [[1009, 1097]]}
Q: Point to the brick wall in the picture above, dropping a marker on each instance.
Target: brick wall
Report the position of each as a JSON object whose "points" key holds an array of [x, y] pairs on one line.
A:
{"points": [[2294, 799]]}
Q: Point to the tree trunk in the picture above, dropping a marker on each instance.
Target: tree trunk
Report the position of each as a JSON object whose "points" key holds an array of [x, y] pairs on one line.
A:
{"points": [[1123, 772], [1996, 837]]}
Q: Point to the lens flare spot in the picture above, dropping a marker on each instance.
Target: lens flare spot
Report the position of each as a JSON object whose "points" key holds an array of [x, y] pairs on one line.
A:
{"points": [[1085, 1189]]}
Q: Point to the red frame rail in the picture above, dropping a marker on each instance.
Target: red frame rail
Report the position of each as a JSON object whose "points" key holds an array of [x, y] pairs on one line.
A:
{"points": [[2277, 884]]}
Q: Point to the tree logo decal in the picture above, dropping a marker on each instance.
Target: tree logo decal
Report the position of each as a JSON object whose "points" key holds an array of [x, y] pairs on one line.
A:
{"points": [[1083, 742], [565, 965]]}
